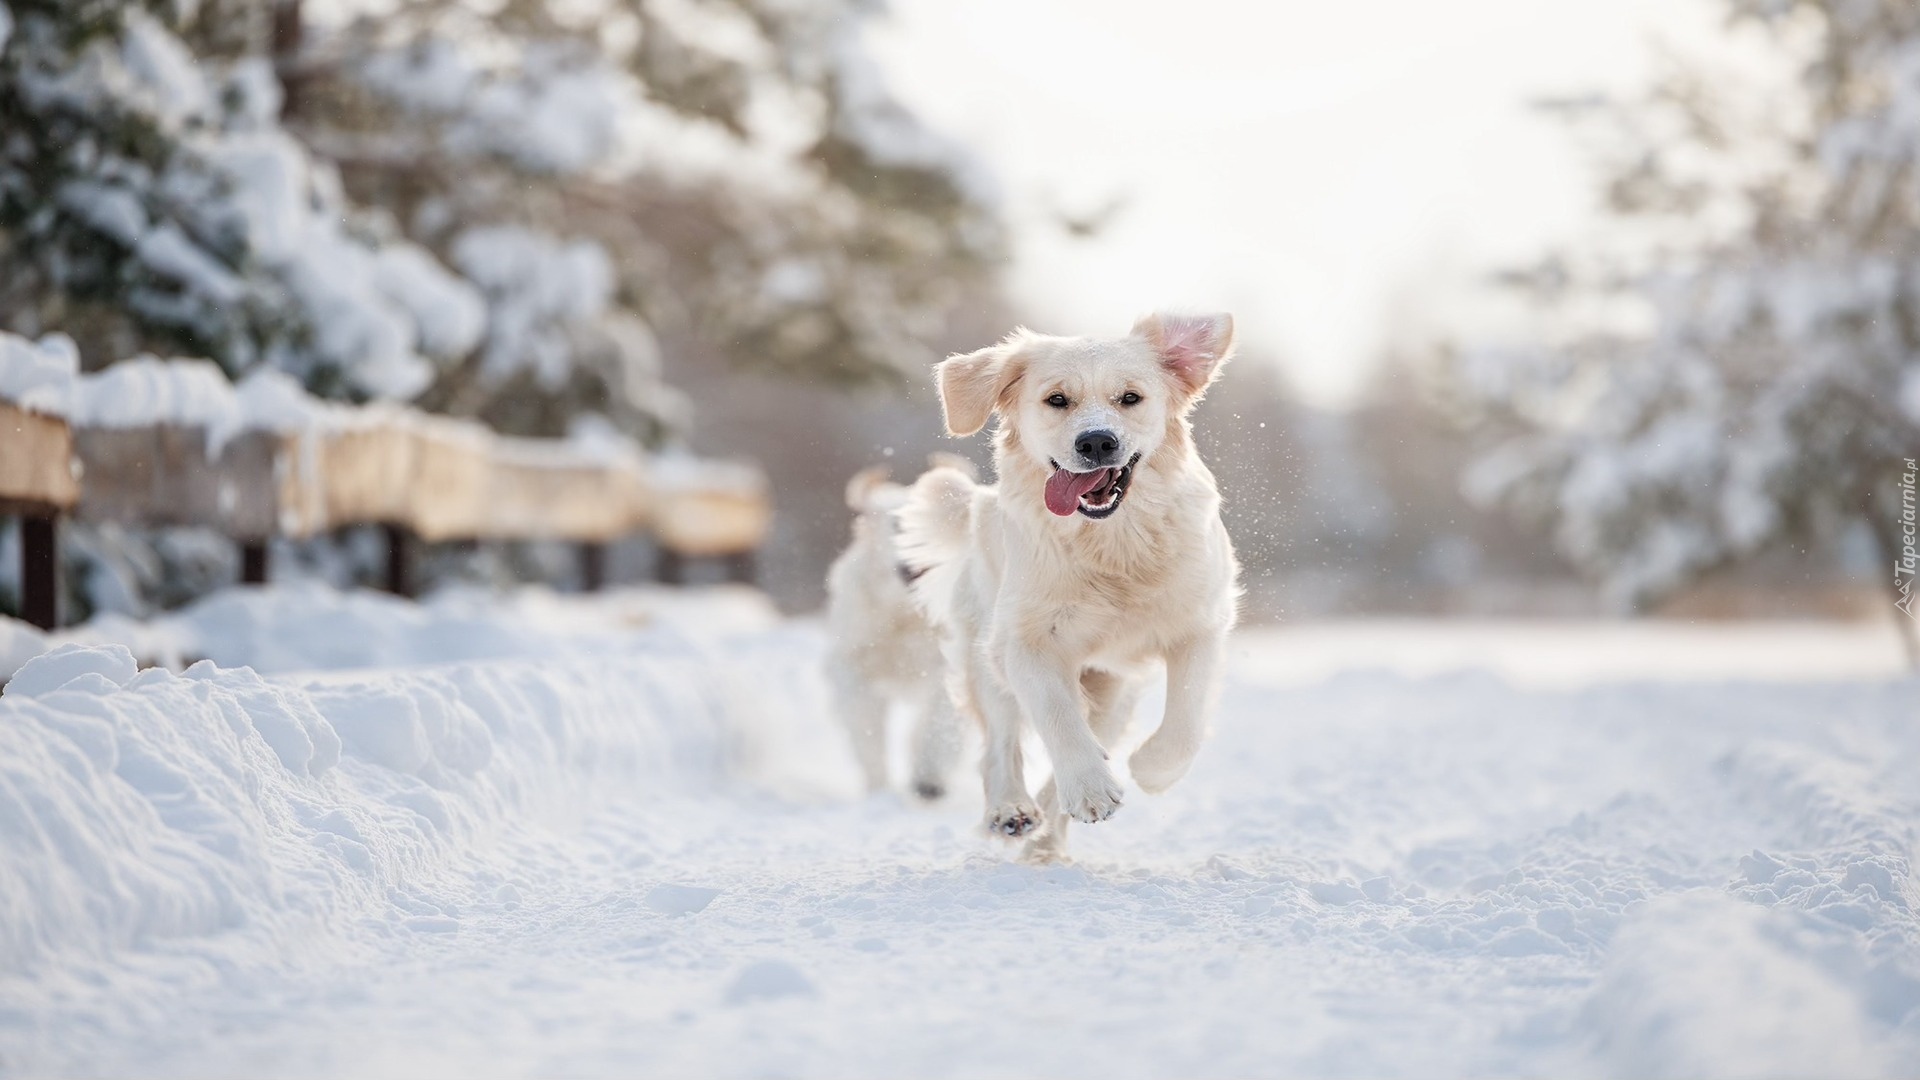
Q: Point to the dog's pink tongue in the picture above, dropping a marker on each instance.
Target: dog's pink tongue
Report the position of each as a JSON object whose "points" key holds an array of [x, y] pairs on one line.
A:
{"points": [[1065, 488]]}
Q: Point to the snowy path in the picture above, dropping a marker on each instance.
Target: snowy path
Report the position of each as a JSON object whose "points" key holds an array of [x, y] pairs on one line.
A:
{"points": [[1371, 875]]}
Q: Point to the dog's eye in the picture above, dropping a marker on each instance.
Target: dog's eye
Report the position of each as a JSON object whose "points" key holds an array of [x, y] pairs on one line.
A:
{"points": [[1129, 398], [1058, 401]]}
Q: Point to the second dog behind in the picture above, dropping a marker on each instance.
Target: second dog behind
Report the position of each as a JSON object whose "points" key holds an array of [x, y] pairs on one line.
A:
{"points": [[882, 650]]}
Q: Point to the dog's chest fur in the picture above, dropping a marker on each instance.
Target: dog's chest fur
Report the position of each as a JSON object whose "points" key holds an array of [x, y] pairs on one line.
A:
{"points": [[1120, 590]]}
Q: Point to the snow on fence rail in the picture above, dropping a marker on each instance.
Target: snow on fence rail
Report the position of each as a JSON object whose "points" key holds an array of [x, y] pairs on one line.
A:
{"points": [[161, 443]]}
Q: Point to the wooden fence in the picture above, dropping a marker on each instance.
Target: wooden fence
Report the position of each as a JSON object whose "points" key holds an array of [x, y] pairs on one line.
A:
{"points": [[422, 478]]}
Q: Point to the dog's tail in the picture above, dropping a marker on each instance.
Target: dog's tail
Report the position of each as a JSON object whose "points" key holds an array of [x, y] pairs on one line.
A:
{"points": [[862, 487], [871, 489], [873, 498], [940, 459], [936, 521], [935, 532]]}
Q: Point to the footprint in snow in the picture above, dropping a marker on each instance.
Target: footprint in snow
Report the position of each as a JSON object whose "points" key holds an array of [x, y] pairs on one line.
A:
{"points": [[679, 899], [767, 980]]}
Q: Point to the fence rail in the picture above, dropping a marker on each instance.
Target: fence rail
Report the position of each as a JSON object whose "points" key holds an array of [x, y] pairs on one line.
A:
{"points": [[424, 478]]}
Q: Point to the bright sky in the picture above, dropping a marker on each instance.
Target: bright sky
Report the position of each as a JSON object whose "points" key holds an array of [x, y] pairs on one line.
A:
{"points": [[1338, 173]]}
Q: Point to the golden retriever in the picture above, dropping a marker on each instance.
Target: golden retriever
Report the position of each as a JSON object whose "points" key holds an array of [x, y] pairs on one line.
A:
{"points": [[1099, 552], [881, 650]]}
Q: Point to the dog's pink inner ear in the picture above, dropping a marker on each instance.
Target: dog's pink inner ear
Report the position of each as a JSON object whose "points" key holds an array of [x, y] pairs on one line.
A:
{"points": [[1191, 346]]}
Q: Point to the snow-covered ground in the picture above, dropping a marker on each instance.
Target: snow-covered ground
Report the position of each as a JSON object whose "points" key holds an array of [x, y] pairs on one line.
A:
{"points": [[547, 837]]}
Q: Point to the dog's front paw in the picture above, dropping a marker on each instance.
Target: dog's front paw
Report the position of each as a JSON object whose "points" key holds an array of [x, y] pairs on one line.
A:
{"points": [[1090, 795], [1156, 768], [1013, 819]]}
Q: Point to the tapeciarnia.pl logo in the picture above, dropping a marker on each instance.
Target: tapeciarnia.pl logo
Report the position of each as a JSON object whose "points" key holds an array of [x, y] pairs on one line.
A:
{"points": [[1904, 569]]}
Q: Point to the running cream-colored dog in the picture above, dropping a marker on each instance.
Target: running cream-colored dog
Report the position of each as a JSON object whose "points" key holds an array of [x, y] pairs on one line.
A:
{"points": [[1099, 552], [881, 648]]}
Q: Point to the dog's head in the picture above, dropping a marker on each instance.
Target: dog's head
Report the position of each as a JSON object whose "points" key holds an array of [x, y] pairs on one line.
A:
{"points": [[1087, 411]]}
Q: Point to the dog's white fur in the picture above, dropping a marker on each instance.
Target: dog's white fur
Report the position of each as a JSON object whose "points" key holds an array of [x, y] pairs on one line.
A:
{"points": [[1049, 621], [882, 650]]}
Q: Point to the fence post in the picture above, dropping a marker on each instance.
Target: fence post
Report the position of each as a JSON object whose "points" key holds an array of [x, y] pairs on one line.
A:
{"points": [[740, 567], [40, 569], [253, 562], [593, 565], [669, 566], [399, 559]]}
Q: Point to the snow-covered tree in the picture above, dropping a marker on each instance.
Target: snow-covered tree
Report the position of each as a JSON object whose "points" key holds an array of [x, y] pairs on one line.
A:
{"points": [[1772, 390], [150, 199], [487, 208], [730, 171], [507, 210]]}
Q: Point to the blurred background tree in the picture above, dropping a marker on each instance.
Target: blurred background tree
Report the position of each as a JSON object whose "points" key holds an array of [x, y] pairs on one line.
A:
{"points": [[496, 211], [150, 200], [538, 213], [727, 175], [1763, 386], [708, 224]]}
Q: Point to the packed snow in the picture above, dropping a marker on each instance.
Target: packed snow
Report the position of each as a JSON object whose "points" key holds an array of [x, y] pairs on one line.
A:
{"points": [[543, 835]]}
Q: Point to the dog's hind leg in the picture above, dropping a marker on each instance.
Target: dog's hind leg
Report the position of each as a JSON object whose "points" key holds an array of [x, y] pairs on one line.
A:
{"points": [[1111, 699], [1192, 677], [1049, 845], [864, 713], [936, 744]]}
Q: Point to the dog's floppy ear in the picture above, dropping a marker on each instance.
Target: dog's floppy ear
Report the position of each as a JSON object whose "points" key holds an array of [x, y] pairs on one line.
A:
{"points": [[973, 384], [1192, 348]]}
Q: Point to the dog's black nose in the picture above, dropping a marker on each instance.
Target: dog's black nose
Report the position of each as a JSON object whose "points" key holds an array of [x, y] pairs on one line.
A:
{"points": [[1098, 447]]}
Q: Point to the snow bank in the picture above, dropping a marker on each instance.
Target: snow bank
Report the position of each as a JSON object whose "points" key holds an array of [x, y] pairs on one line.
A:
{"points": [[307, 626], [1370, 875], [1703, 985], [19, 643], [1564, 654], [138, 806]]}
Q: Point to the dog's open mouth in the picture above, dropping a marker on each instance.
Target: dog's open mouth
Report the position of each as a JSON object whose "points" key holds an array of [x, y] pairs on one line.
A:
{"points": [[1096, 494]]}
